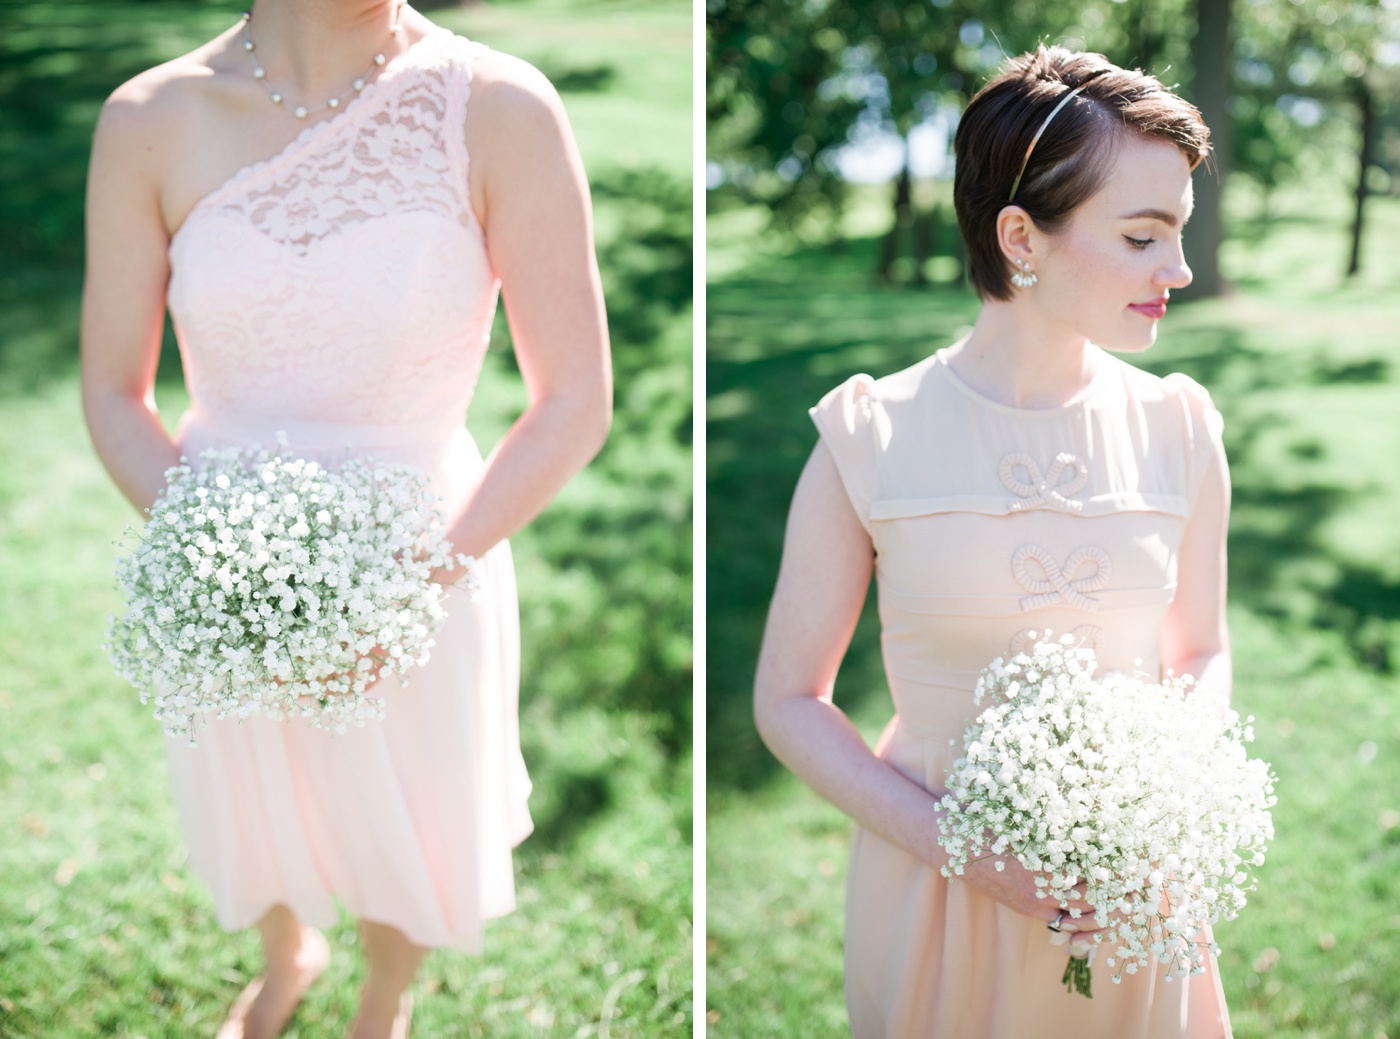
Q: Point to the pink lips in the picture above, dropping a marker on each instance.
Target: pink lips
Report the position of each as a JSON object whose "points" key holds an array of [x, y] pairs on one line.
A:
{"points": [[1153, 309]]}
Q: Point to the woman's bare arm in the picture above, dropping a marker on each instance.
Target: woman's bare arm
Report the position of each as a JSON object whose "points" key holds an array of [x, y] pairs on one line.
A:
{"points": [[124, 291], [826, 569], [530, 193], [1195, 639]]}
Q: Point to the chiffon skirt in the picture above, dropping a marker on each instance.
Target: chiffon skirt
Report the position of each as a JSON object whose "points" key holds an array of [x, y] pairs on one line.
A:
{"points": [[409, 821], [931, 958]]}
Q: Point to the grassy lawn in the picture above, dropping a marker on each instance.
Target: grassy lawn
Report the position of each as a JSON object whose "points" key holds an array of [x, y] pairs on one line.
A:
{"points": [[1302, 367], [103, 931]]}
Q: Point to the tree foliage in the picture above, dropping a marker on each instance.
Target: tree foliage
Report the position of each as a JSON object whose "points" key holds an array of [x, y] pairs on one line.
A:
{"points": [[792, 82]]}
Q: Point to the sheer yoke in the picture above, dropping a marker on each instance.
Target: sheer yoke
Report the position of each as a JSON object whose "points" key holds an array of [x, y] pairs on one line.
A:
{"points": [[340, 292], [989, 523]]}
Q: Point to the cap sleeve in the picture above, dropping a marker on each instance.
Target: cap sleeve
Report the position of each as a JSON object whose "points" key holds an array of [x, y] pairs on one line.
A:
{"points": [[1204, 427], [846, 418]]}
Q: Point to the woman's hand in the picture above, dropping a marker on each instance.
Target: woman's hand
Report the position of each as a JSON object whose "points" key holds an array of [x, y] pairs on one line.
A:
{"points": [[1014, 887], [368, 664], [457, 575]]}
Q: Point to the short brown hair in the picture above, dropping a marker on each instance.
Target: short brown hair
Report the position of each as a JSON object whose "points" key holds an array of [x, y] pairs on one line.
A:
{"points": [[1072, 157]]}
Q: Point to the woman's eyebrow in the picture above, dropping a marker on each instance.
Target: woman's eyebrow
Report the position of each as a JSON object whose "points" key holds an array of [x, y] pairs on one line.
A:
{"points": [[1169, 219]]}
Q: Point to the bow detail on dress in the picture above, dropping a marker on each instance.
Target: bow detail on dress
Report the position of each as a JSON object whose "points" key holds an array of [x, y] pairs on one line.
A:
{"points": [[1056, 584], [1050, 488]]}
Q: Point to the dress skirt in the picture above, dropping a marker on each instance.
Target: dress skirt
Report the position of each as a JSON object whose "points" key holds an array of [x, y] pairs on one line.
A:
{"points": [[933, 958], [408, 821]]}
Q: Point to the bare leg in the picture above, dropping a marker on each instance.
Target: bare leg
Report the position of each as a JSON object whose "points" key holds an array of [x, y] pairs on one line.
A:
{"points": [[384, 1004], [296, 956]]}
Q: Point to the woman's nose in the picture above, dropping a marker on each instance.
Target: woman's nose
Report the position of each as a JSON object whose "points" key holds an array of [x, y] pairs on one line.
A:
{"points": [[1175, 275]]}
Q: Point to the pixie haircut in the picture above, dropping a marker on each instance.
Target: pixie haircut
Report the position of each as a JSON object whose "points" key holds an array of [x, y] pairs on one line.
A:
{"points": [[1073, 156]]}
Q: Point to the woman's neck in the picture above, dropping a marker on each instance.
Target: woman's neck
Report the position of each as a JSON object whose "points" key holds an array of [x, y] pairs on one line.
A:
{"points": [[311, 46], [1016, 359]]}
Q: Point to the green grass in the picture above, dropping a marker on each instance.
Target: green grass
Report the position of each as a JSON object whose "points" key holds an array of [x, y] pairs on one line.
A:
{"points": [[103, 931], [1301, 365]]}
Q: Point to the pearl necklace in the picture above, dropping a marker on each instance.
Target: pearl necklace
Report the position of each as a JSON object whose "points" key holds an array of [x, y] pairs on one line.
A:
{"points": [[301, 111]]}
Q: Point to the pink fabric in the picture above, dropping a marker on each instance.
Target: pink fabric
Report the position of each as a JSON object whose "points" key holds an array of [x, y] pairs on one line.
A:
{"points": [[990, 522], [341, 292]]}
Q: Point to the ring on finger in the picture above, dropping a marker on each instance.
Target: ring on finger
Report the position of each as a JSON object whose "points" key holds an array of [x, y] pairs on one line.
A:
{"points": [[1055, 924]]}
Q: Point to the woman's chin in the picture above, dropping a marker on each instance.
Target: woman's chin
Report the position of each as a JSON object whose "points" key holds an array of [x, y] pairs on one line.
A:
{"points": [[1134, 341]]}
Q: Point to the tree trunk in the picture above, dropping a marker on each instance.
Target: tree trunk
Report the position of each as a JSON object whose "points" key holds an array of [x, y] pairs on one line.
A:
{"points": [[903, 220], [1147, 36], [925, 241], [1210, 60], [1367, 107]]}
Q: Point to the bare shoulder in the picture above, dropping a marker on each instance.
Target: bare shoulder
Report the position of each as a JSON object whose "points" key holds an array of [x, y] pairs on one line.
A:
{"points": [[519, 137], [160, 98], [511, 96], [144, 118]]}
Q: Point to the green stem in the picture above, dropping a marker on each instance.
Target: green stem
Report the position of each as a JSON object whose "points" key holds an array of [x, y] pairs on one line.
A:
{"points": [[1077, 977]]}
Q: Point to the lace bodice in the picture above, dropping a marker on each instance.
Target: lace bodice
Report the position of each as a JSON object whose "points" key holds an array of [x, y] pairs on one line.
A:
{"points": [[344, 279]]}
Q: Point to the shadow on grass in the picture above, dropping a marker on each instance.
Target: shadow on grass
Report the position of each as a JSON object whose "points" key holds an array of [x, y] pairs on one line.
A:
{"points": [[576, 798], [785, 332], [1375, 369], [583, 80], [1279, 539]]}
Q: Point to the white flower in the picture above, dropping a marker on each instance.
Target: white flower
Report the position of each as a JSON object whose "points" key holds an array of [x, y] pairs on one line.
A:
{"points": [[237, 606], [1141, 789]]}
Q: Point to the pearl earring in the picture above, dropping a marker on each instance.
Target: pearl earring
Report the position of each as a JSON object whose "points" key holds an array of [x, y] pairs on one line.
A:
{"points": [[1023, 277]]}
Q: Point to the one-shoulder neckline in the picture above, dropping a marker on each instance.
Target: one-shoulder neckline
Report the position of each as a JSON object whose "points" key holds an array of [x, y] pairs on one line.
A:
{"points": [[1085, 394], [326, 127]]}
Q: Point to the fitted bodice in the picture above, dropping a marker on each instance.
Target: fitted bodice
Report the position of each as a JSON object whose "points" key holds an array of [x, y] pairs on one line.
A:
{"points": [[344, 280], [990, 522]]}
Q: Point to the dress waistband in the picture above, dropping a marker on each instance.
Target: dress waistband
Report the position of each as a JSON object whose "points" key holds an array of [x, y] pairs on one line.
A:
{"points": [[307, 435]]}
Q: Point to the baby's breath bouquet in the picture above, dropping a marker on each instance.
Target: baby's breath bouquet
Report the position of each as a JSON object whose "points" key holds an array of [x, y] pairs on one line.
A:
{"points": [[264, 584], [1134, 796]]}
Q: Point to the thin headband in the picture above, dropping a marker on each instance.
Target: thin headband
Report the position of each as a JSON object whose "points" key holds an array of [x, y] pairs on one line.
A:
{"points": [[1031, 147]]}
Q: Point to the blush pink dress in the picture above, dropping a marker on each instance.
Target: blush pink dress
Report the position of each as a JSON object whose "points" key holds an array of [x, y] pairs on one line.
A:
{"points": [[989, 522], [341, 292]]}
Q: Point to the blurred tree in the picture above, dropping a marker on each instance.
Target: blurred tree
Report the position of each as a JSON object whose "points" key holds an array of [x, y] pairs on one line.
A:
{"points": [[1210, 63], [1354, 35], [774, 121], [792, 84], [1310, 79]]}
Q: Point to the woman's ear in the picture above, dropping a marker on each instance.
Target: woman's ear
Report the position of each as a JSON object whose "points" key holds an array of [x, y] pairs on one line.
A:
{"points": [[1016, 235]]}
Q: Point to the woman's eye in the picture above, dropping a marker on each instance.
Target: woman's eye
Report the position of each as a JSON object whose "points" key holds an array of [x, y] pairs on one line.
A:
{"points": [[1139, 243]]}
